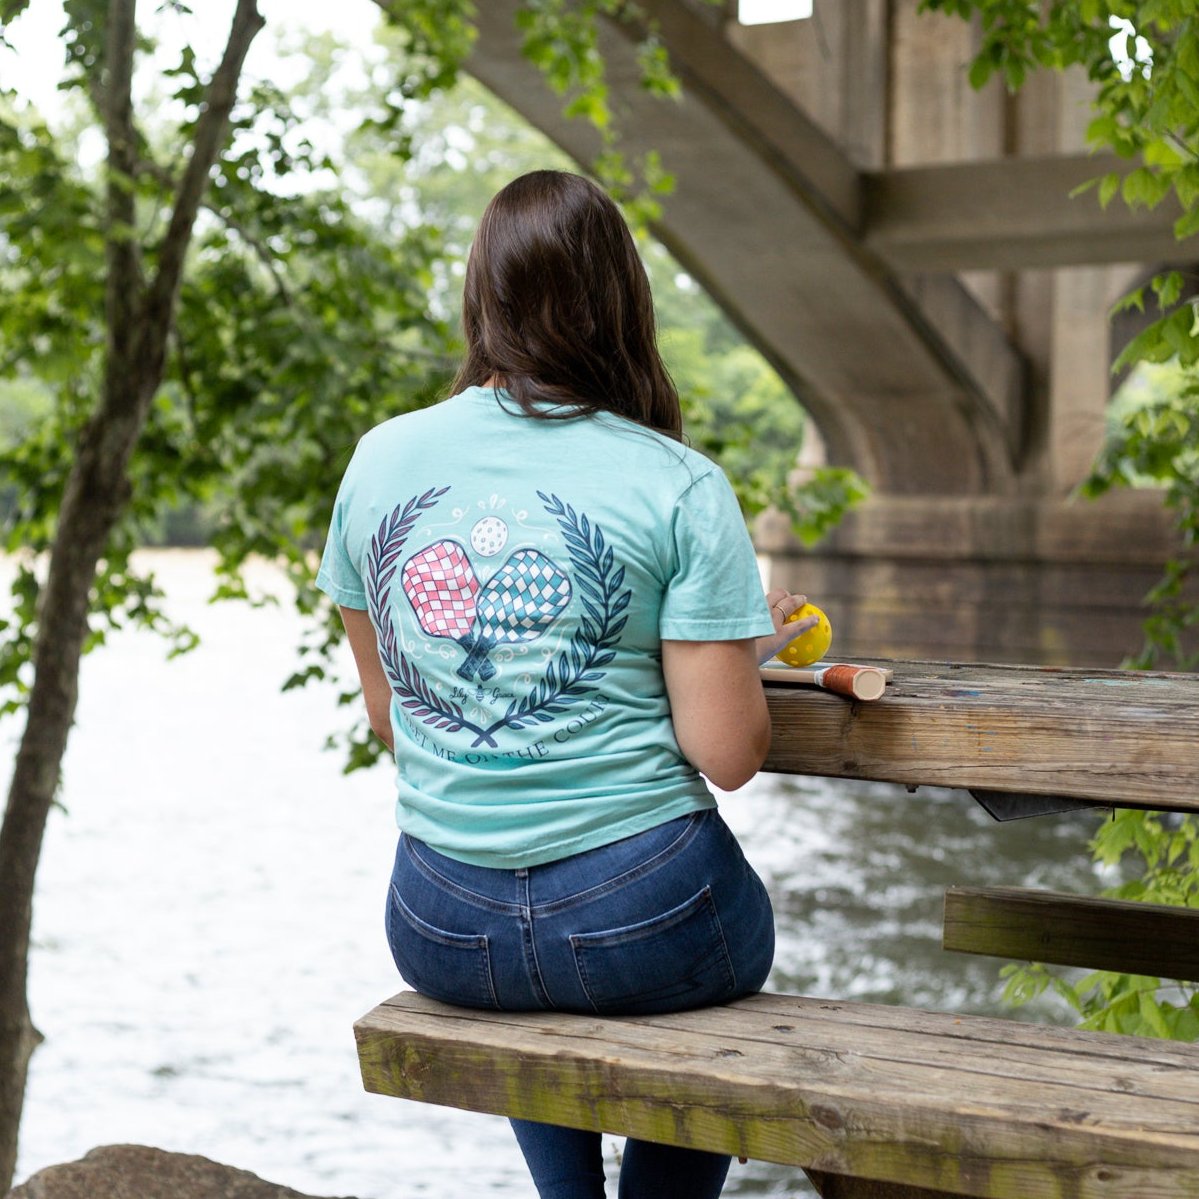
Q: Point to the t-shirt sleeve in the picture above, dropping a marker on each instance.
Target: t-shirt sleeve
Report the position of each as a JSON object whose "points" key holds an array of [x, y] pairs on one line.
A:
{"points": [[337, 576], [715, 591]]}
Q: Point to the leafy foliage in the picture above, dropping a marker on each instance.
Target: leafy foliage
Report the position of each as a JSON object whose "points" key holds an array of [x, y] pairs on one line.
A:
{"points": [[299, 325], [561, 37], [1156, 443], [318, 299], [1165, 855], [1143, 58]]}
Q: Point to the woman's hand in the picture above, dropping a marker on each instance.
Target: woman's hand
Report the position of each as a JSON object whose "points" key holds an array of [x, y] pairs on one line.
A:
{"points": [[783, 604]]}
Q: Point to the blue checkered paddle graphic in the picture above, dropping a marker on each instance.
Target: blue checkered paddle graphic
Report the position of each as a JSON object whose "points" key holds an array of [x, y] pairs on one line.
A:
{"points": [[517, 604]]}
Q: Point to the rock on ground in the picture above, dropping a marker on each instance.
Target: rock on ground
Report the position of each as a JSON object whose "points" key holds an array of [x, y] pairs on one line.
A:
{"points": [[139, 1172]]}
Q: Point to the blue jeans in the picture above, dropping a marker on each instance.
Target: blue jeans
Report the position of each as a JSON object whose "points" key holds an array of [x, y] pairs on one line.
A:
{"points": [[668, 919]]}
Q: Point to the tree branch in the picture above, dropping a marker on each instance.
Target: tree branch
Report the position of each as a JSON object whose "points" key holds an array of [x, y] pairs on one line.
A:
{"points": [[210, 134], [161, 175], [261, 252], [123, 283]]}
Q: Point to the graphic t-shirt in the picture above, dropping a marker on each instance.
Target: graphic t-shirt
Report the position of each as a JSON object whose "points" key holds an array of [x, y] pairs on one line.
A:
{"points": [[521, 575]]}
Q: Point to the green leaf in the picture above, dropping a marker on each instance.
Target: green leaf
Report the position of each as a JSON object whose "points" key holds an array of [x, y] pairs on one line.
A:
{"points": [[1150, 345], [11, 9], [1102, 129], [1186, 184], [1187, 225], [1161, 153], [1143, 187], [1178, 328], [1024, 982], [1133, 299], [1152, 1019], [1168, 288], [981, 70], [1014, 73]]}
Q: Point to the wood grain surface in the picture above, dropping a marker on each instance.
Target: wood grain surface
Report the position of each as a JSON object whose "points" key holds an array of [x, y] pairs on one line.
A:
{"points": [[1074, 930], [1123, 737], [963, 1105]]}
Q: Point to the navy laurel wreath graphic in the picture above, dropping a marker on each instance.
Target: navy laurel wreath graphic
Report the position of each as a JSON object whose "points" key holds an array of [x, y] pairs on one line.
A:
{"points": [[416, 696], [570, 677]]}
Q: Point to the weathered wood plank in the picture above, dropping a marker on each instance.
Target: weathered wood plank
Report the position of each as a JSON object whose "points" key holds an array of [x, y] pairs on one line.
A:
{"points": [[838, 1186], [1123, 737], [885, 1021], [1072, 930], [923, 1100], [970, 1051]]}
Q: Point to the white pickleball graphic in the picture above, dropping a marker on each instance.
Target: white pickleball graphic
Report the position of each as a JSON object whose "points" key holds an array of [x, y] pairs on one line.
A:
{"points": [[489, 535]]}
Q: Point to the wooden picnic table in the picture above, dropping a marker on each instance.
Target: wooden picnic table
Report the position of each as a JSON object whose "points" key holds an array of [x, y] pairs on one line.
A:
{"points": [[1126, 738], [875, 1101]]}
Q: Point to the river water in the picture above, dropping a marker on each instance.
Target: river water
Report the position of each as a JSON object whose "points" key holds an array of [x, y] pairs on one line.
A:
{"points": [[208, 920]]}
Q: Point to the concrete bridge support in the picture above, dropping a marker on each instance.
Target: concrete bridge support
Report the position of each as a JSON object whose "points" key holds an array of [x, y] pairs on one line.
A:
{"points": [[905, 251]]}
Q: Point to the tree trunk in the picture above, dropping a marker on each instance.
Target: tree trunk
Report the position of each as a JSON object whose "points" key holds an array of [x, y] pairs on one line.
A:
{"points": [[86, 518], [139, 319]]}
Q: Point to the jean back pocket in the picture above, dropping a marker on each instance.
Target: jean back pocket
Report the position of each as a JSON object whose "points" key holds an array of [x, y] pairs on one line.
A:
{"points": [[452, 967], [676, 960]]}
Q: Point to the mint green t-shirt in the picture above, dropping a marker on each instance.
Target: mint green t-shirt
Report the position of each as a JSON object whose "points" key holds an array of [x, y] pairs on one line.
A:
{"points": [[521, 575]]}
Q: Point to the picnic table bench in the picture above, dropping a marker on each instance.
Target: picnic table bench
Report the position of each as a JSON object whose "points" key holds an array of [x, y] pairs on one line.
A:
{"points": [[879, 1101]]}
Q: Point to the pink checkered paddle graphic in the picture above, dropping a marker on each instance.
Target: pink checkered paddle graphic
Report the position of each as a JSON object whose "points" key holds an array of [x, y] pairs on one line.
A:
{"points": [[517, 604], [441, 586]]}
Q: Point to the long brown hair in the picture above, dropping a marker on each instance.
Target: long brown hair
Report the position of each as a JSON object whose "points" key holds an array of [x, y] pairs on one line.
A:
{"points": [[557, 307]]}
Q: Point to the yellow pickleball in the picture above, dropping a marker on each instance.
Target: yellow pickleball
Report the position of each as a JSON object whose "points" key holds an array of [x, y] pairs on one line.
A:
{"points": [[811, 646]]}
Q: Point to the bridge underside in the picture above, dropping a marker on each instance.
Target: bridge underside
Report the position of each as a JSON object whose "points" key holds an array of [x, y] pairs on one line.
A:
{"points": [[763, 216], [908, 257]]}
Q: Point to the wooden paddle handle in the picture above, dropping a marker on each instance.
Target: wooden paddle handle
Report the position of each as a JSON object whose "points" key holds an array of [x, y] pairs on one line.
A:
{"points": [[864, 683]]}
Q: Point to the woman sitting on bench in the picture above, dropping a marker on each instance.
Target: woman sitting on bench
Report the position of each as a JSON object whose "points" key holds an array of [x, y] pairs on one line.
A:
{"points": [[556, 614]]}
